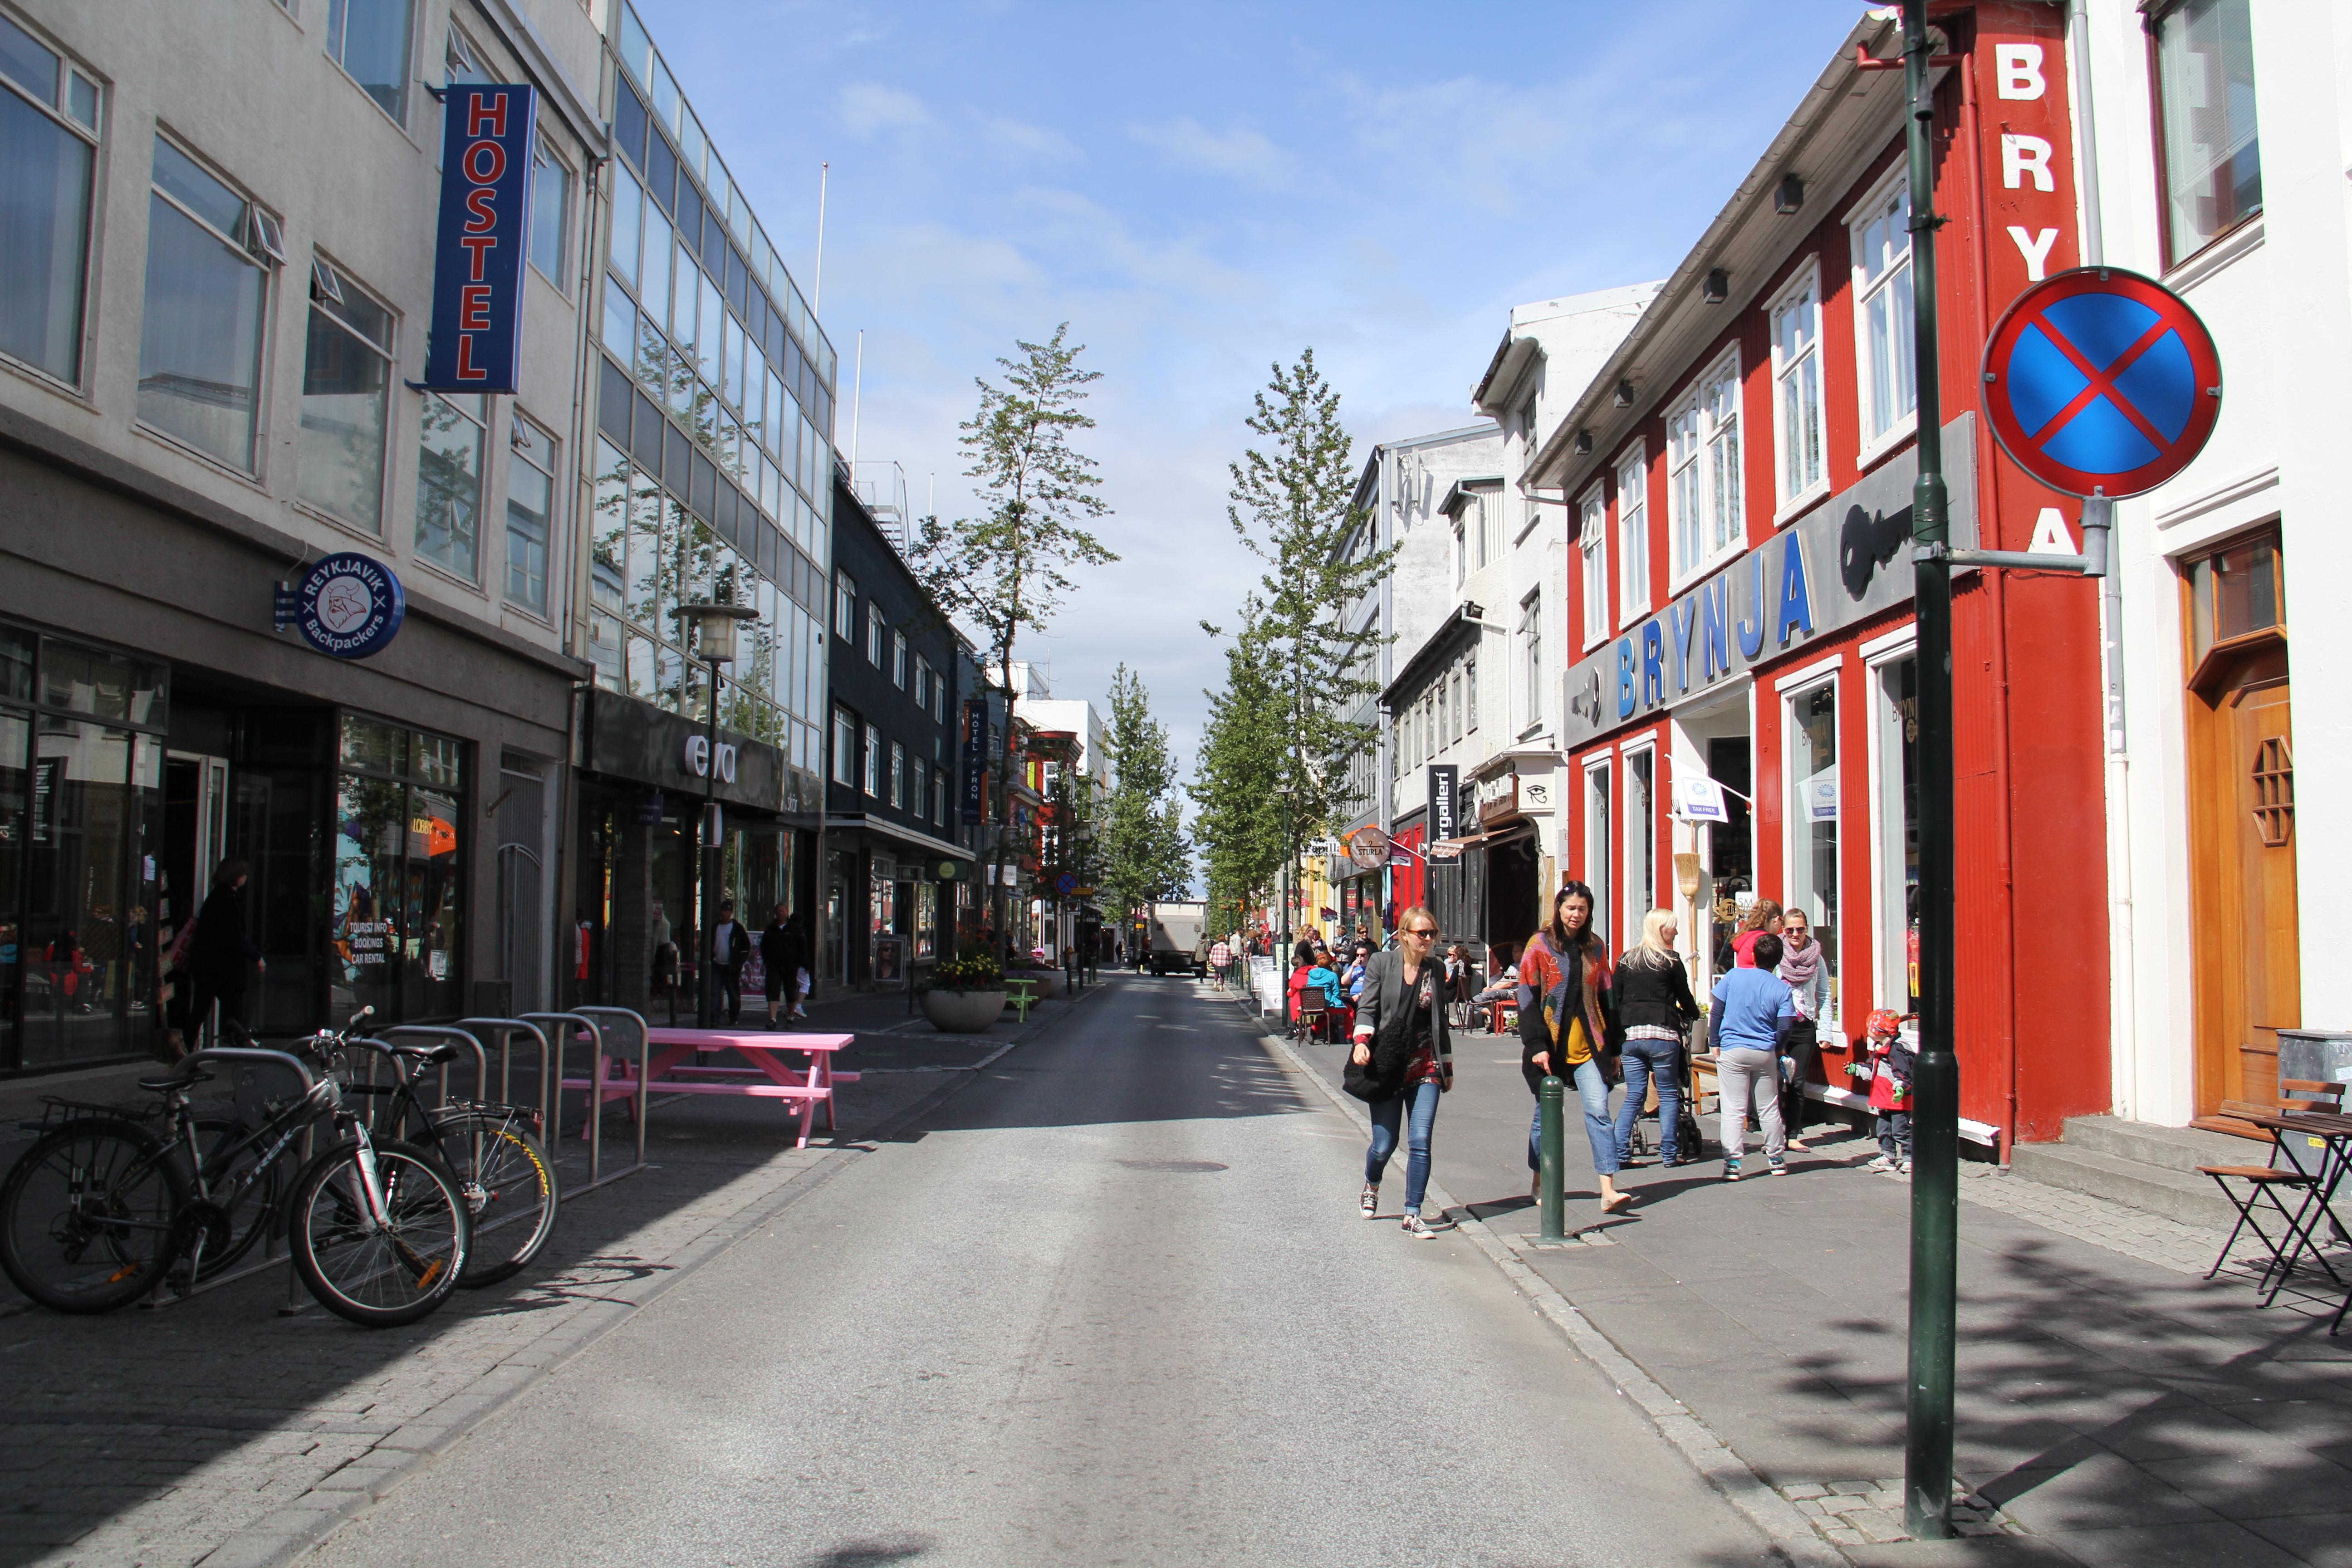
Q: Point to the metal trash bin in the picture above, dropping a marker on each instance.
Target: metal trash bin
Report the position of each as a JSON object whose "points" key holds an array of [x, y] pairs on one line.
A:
{"points": [[2324, 1054]]}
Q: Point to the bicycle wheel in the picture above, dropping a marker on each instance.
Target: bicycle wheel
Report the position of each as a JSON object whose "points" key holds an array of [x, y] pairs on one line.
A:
{"points": [[510, 1192], [251, 1214], [379, 1274], [84, 1214]]}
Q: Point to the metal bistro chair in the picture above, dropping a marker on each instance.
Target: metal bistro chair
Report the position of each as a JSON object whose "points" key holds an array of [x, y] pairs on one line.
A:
{"points": [[2265, 1185], [1313, 1009]]}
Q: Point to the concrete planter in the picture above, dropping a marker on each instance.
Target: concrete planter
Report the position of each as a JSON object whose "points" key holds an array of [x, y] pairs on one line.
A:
{"points": [[963, 1012]]}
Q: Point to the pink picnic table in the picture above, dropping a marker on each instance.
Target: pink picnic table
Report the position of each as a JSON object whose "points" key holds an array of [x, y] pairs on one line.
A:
{"points": [[672, 1070]]}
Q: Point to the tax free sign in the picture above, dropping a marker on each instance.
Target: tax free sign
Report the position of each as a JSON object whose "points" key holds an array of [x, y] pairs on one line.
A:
{"points": [[477, 272]]}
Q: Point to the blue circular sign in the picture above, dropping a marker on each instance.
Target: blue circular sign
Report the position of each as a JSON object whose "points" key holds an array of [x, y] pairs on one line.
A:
{"points": [[348, 605]]}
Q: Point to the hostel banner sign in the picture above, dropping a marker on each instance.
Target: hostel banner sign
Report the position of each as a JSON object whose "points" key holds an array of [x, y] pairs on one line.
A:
{"points": [[478, 274]]}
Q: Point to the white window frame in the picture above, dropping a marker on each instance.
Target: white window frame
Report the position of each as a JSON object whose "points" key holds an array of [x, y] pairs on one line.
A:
{"points": [[1894, 187], [1461, 546], [1803, 285], [845, 731], [1795, 822], [1632, 931], [1701, 463], [1593, 555], [1490, 525], [1602, 836], [1633, 574], [70, 71], [1876, 657], [1532, 659], [518, 457], [542, 153]]}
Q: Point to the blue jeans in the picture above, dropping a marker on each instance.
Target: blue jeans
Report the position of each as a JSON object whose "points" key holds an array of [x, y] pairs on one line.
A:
{"points": [[1387, 1116], [1646, 1060], [1599, 1131]]}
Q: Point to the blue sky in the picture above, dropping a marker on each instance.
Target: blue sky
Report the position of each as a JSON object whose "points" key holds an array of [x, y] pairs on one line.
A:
{"points": [[1202, 189]]}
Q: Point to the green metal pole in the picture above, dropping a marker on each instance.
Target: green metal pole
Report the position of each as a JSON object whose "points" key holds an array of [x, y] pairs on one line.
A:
{"points": [[1550, 1157], [1935, 1080]]}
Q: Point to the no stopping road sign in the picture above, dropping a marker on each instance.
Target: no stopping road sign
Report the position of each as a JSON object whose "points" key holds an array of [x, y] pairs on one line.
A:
{"points": [[2100, 380]]}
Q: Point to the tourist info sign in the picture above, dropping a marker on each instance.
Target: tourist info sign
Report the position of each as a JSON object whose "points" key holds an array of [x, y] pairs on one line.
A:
{"points": [[2101, 381]]}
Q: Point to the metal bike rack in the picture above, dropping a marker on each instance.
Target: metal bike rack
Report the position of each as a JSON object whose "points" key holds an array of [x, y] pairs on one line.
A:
{"points": [[504, 1031], [456, 1034], [276, 1247], [598, 1024]]}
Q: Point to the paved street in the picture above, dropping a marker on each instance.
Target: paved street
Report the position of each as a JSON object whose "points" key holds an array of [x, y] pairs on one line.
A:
{"points": [[1109, 1304]]}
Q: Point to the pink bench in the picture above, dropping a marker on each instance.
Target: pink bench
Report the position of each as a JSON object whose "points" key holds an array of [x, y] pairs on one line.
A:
{"points": [[769, 1076]]}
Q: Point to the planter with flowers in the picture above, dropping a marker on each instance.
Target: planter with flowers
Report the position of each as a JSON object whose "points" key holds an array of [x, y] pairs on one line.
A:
{"points": [[965, 994]]}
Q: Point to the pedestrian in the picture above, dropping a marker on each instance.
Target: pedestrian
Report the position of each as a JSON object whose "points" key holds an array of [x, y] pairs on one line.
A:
{"points": [[780, 956], [1888, 1064], [222, 957], [1504, 987], [1750, 1006], [1565, 1031], [1655, 1006], [1803, 967], [664, 950], [1762, 918], [730, 946], [1402, 1062]]}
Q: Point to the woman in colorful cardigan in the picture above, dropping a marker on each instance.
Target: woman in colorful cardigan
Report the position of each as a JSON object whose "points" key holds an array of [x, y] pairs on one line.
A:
{"points": [[1565, 1030]]}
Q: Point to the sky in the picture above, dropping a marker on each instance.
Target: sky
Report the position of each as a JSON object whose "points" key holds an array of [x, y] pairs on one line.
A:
{"points": [[1202, 190]]}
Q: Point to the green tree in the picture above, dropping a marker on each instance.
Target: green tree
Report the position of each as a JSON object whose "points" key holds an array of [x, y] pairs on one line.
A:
{"points": [[1145, 857], [1006, 571], [1237, 815]]}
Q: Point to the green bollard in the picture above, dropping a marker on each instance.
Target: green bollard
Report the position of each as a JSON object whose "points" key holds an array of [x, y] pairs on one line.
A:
{"points": [[1548, 1098]]}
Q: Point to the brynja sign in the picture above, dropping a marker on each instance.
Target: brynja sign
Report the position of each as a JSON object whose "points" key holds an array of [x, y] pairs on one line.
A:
{"points": [[477, 271]]}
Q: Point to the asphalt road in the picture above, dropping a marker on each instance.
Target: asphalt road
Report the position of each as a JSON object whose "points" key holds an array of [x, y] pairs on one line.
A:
{"points": [[1109, 1304]]}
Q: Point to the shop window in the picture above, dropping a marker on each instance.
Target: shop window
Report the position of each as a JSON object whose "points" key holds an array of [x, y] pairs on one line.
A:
{"points": [[1633, 533], [1797, 383], [1641, 843], [450, 464], [208, 255], [2205, 98], [48, 153], [1599, 843], [1813, 813], [402, 837], [1884, 347], [1895, 732], [346, 400]]}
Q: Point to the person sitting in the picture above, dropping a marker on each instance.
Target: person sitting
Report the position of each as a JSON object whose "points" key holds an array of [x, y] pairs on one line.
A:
{"points": [[1302, 966], [1505, 987]]}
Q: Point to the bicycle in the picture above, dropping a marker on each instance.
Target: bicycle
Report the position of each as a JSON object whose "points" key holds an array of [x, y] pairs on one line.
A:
{"points": [[506, 1176], [101, 1210]]}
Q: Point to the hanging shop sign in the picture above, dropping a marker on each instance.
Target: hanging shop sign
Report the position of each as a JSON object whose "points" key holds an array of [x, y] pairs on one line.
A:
{"points": [[2100, 381], [975, 756], [1700, 800], [1444, 801], [1840, 564], [347, 605], [487, 136], [633, 740]]}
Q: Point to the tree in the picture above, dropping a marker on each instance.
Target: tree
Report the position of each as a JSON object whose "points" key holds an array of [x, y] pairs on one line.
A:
{"points": [[1237, 818], [1145, 856], [1006, 571]]}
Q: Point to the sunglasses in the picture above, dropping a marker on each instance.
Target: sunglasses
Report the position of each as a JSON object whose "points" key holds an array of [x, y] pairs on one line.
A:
{"points": [[1422, 931]]}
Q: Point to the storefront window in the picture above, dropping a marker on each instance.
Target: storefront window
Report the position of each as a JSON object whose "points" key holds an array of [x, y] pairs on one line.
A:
{"points": [[1598, 840], [1813, 816], [397, 903], [1641, 845], [1897, 817]]}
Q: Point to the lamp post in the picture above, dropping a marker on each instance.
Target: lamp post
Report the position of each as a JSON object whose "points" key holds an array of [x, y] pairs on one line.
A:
{"points": [[713, 626], [1289, 793]]}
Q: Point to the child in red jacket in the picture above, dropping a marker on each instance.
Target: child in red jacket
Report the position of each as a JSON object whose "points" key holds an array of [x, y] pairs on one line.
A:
{"points": [[1887, 1065]]}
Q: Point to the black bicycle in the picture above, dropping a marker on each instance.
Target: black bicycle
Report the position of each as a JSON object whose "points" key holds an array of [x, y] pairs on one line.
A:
{"points": [[103, 1208]]}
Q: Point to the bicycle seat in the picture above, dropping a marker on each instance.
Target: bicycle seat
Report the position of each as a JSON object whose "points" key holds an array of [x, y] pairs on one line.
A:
{"points": [[430, 1055], [178, 1079]]}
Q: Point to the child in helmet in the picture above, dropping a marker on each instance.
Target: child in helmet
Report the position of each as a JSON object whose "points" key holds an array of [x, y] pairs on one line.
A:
{"points": [[1888, 1067]]}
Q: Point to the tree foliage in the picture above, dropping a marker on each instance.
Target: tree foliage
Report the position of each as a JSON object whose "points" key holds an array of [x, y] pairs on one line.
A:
{"points": [[1145, 855], [1237, 818]]}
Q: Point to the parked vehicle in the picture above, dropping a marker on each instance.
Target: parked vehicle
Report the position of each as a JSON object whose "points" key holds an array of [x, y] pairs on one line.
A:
{"points": [[1175, 932]]}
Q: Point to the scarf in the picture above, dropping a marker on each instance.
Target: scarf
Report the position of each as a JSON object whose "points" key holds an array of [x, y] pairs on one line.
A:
{"points": [[1799, 965]]}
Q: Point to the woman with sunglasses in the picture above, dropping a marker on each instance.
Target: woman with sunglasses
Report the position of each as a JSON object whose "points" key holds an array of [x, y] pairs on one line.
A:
{"points": [[1565, 1030], [1405, 1061]]}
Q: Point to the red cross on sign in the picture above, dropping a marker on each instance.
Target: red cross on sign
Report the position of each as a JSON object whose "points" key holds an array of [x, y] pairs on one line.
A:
{"points": [[2101, 381]]}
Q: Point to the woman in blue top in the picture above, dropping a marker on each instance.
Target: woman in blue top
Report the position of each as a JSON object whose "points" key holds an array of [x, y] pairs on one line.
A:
{"points": [[1751, 1006]]}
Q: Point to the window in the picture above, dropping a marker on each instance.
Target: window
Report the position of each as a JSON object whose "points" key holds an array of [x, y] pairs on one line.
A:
{"points": [[874, 633], [1454, 708], [449, 483], [1703, 499], [1797, 383], [1882, 288], [845, 747], [1599, 843], [1896, 763], [2234, 592], [1461, 549], [346, 401], [1490, 526], [2205, 94], [1531, 508], [845, 606], [1531, 653], [939, 798], [49, 152], [550, 213], [923, 679], [207, 278], [531, 499], [368, 39], [1593, 548], [1633, 533], [1812, 752], [898, 659], [872, 760], [1641, 841], [1470, 691], [897, 776]]}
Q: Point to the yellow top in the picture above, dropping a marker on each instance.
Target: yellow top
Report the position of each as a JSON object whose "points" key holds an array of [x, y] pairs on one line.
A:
{"points": [[1579, 1048]]}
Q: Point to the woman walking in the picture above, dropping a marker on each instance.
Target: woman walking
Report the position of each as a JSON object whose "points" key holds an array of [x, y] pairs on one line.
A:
{"points": [[1402, 1062], [779, 958], [1564, 1031], [1655, 1006], [221, 959], [1800, 1042]]}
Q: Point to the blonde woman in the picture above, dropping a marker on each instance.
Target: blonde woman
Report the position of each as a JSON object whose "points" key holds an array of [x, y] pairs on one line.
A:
{"points": [[1655, 1006]]}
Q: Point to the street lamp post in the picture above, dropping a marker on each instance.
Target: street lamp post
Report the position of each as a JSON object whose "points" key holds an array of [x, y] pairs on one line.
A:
{"points": [[714, 638], [1289, 793]]}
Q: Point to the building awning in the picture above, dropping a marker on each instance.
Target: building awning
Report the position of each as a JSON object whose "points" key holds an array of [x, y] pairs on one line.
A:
{"points": [[1452, 849], [882, 827]]}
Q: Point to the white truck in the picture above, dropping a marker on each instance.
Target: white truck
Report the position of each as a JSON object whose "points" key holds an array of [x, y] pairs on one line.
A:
{"points": [[1175, 931]]}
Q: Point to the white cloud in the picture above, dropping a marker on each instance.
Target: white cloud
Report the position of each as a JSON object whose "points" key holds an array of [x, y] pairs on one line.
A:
{"points": [[868, 108], [1240, 153], [1018, 139]]}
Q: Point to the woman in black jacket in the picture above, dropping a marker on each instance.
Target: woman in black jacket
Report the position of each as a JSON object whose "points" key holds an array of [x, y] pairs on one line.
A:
{"points": [[1403, 1061], [1655, 1006], [221, 958]]}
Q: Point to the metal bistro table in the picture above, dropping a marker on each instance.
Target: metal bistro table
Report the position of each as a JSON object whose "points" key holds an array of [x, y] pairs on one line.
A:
{"points": [[2319, 1145]]}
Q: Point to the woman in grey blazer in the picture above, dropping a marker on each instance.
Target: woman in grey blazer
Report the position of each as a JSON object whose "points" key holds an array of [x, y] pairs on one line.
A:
{"points": [[1403, 1061]]}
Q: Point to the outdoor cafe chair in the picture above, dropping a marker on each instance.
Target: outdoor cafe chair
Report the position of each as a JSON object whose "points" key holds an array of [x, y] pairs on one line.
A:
{"points": [[2266, 1185]]}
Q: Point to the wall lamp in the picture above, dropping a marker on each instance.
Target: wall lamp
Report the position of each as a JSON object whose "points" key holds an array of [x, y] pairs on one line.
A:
{"points": [[1790, 196], [1718, 287]]}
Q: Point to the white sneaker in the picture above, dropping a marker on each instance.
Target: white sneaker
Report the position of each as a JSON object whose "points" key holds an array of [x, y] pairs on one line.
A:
{"points": [[1881, 1163], [1370, 1202]]}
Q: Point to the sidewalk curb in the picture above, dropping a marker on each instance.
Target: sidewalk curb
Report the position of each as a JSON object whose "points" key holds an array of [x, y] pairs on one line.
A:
{"points": [[307, 1523], [1788, 1532]]}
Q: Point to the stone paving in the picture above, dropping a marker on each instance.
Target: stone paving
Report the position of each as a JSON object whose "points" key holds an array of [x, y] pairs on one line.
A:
{"points": [[215, 1430]]}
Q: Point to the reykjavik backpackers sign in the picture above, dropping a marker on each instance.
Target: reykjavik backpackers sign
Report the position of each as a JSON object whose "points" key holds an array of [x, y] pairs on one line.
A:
{"points": [[478, 274], [1846, 560]]}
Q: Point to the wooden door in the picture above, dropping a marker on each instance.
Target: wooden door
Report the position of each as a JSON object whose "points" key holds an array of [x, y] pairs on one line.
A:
{"points": [[2243, 926]]}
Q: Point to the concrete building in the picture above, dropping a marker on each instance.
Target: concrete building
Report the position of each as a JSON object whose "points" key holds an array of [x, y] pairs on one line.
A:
{"points": [[214, 291]]}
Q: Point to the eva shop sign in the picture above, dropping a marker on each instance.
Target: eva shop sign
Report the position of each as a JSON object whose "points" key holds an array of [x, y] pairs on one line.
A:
{"points": [[1843, 562]]}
